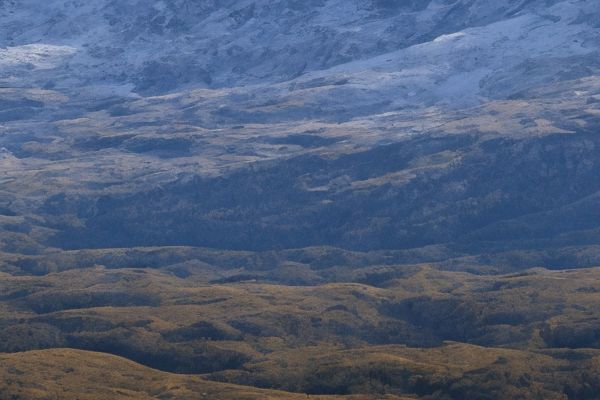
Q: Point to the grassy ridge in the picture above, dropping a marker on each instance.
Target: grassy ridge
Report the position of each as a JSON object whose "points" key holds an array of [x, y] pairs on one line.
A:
{"points": [[420, 332], [77, 375]]}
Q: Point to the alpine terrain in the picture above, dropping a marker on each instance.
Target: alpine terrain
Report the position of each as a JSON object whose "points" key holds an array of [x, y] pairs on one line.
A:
{"points": [[275, 199]]}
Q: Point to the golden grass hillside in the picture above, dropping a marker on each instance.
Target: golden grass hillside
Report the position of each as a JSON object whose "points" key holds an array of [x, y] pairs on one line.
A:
{"points": [[78, 375], [494, 310], [421, 332]]}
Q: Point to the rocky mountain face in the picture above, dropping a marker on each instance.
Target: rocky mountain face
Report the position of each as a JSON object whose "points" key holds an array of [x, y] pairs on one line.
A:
{"points": [[364, 124], [258, 125], [475, 47], [262, 125]]}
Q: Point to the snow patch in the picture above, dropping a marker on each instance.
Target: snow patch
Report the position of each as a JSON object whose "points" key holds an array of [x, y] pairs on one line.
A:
{"points": [[38, 56], [452, 37]]}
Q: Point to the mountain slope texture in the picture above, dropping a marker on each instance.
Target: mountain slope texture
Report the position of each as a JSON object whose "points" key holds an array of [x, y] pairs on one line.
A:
{"points": [[263, 199]]}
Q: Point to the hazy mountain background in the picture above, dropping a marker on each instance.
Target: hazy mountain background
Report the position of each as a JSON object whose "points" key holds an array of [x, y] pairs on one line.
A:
{"points": [[267, 125], [191, 158]]}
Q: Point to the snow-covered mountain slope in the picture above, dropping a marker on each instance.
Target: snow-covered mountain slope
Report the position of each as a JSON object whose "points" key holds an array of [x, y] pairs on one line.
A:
{"points": [[408, 51], [104, 103]]}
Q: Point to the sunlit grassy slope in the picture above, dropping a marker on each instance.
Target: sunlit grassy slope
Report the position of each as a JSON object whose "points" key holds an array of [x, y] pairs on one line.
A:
{"points": [[399, 330], [79, 375]]}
